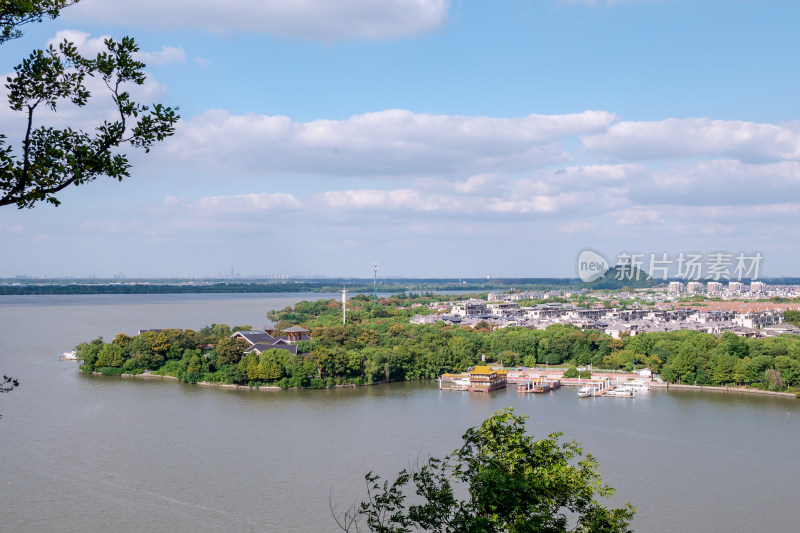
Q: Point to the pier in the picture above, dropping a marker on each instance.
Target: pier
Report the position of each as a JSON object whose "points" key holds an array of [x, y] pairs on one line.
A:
{"points": [[538, 385]]}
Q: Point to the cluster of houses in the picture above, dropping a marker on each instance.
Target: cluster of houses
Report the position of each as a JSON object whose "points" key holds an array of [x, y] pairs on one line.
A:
{"points": [[615, 322], [261, 340], [734, 289]]}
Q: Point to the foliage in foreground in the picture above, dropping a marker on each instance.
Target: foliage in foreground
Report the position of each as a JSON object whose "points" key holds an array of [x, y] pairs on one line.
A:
{"points": [[7, 384], [514, 484], [47, 160]]}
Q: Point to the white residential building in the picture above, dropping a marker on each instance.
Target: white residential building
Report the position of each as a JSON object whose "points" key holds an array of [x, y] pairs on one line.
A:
{"points": [[694, 287], [675, 287], [469, 308], [714, 287], [758, 287], [735, 286]]}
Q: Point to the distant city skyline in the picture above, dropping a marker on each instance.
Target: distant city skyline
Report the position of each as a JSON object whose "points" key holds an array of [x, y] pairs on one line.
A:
{"points": [[437, 138]]}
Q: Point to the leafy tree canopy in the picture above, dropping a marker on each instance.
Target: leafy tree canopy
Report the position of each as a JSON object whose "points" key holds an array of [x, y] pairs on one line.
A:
{"points": [[7, 384], [514, 484], [48, 159], [16, 13]]}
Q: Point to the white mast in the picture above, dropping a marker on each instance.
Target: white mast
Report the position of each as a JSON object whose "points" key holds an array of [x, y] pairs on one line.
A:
{"points": [[344, 304]]}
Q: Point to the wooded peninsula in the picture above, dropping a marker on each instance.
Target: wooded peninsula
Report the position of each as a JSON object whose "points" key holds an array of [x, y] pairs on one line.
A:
{"points": [[379, 344]]}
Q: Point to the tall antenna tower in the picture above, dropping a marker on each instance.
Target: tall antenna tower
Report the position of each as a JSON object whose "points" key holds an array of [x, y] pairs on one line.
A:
{"points": [[375, 283], [344, 305]]}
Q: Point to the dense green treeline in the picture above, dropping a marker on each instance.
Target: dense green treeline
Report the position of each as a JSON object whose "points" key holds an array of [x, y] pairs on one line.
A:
{"points": [[379, 344], [89, 286], [792, 317]]}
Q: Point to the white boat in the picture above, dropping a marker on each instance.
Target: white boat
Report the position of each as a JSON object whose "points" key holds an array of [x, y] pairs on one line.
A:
{"points": [[585, 392], [621, 392], [68, 356]]}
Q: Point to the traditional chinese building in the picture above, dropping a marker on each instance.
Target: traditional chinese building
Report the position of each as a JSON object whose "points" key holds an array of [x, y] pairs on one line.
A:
{"points": [[486, 379], [296, 334]]}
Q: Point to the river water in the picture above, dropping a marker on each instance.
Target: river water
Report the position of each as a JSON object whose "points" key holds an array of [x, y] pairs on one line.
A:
{"points": [[86, 453]]}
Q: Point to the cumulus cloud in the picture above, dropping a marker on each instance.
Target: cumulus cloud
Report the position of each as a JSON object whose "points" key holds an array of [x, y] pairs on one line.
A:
{"points": [[717, 182], [239, 203], [534, 204], [592, 175], [736, 213], [165, 56], [89, 46], [83, 41], [317, 20], [484, 184], [394, 142], [680, 138], [392, 200]]}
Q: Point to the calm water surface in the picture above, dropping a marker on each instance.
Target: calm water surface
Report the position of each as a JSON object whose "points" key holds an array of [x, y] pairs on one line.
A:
{"points": [[85, 453]]}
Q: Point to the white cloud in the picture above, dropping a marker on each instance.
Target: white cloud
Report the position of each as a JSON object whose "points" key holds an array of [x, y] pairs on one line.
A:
{"points": [[481, 184], [83, 41], [385, 143], [638, 216], [717, 182], [680, 138], [391, 200], [240, 203], [90, 47], [165, 56], [736, 214], [318, 20], [590, 175], [535, 204]]}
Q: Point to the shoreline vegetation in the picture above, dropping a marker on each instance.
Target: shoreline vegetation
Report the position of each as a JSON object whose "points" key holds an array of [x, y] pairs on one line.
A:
{"points": [[16, 287], [379, 344], [69, 286], [653, 384]]}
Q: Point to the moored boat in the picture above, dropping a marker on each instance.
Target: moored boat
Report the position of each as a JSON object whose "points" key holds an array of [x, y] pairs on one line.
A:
{"points": [[68, 356], [621, 392]]}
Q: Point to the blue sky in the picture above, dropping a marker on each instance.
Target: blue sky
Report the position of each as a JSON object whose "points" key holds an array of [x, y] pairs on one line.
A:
{"points": [[437, 138]]}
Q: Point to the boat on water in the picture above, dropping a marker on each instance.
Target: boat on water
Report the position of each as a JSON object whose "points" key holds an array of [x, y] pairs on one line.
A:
{"points": [[585, 392], [68, 356], [621, 392]]}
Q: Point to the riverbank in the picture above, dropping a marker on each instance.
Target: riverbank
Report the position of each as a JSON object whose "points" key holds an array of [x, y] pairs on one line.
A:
{"points": [[711, 388], [653, 385], [148, 375]]}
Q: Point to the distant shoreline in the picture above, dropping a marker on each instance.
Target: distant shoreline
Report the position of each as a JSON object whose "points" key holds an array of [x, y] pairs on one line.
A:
{"points": [[653, 384], [10, 287], [715, 388]]}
